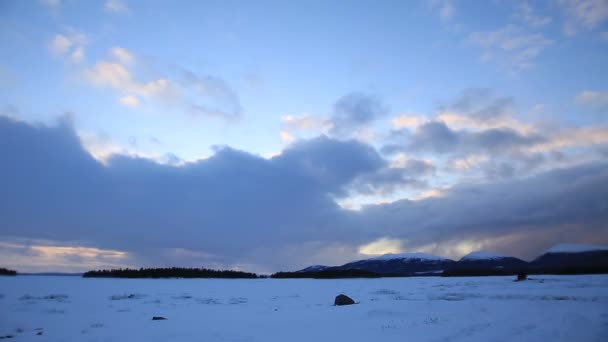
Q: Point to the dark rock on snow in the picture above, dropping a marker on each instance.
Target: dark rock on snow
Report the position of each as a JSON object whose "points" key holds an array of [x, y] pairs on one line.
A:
{"points": [[343, 300], [158, 318]]}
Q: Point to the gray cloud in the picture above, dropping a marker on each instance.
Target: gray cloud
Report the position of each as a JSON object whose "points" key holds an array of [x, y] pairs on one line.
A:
{"points": [[389, 179], [437, 137], [353, 111], [481, 104], [212, 96], [236, 208]]}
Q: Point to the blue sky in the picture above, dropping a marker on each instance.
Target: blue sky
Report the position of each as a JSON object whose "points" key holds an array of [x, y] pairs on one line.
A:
{"points": [[447, 94]]}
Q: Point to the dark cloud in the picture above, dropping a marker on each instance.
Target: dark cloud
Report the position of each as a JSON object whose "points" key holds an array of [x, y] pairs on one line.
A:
{"points": [[411, 174], [353, 111], [236, 208], [437, 137]]}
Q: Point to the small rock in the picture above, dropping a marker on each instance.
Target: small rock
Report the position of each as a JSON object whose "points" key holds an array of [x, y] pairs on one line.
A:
{"points": [[158, 318], [39, 333], [343, 300], [522, 276]]}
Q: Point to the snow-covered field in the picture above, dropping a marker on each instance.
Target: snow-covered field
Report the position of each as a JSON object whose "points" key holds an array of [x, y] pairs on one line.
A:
{"points": [[547, 308]]}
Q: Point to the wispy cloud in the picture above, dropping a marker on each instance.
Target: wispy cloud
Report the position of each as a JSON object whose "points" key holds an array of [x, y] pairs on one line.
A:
{"points": [[116, 6], [593, 98], [526, 13], [193, 93], [446, 8], [511, 47], [70, 44], [583, 15]]}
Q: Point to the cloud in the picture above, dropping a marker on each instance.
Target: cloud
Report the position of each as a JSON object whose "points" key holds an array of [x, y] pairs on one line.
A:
{"points": [[446, 8], [511, 47], [122, 55], [214, 96], [583, 15], [116, 6], [235, 208], [43, 256], [593, 98], [129, 101], [286, 137], [118, 77], [305, 122], [354, 111], [70, 45], [408, 121], [526, 14], [53, 5], [204, 95]]}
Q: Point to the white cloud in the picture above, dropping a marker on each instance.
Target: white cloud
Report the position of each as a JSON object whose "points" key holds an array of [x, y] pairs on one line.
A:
{"points": [[305, 122], [77, 55], [122, 55], [584, 14], [129, 101], [510, 46], [286, 137], [117, 76], [118, 6], [71, 45], [592, 98], [60, 44], [408, 121]]}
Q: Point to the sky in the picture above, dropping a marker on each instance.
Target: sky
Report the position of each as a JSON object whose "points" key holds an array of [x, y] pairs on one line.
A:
{"points": [[274, 135]]}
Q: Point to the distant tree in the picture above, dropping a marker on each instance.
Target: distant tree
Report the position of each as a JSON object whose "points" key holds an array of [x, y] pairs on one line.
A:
{"points": [[172, 272], [6, 271]]}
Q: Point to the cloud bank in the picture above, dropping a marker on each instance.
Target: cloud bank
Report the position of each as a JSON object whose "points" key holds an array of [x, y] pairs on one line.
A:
{"points": [[236, 209]]}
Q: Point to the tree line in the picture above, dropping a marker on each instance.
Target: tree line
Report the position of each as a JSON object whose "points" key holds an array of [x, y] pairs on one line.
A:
{"points": [[6, 271], [169, 272]]}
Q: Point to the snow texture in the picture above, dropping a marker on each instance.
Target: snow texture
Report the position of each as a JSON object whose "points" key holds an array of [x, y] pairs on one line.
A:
{"points": [[545, 308]]}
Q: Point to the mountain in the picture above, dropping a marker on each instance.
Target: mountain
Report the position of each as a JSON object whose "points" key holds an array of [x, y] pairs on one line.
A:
{"points": [[314, 268], [485, 263], [572, 259], [407, 264], [559, 259]]}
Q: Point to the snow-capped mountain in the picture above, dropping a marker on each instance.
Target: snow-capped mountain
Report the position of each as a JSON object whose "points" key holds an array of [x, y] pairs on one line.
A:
{"points": [[401, 264], [561, 258], [314, 268], [482, 255]]}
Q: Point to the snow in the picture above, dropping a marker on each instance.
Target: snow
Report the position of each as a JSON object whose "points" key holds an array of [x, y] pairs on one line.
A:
{"points": [[422, 256], [314, 268], [482, 255], [576, 248], [546, 308]]}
